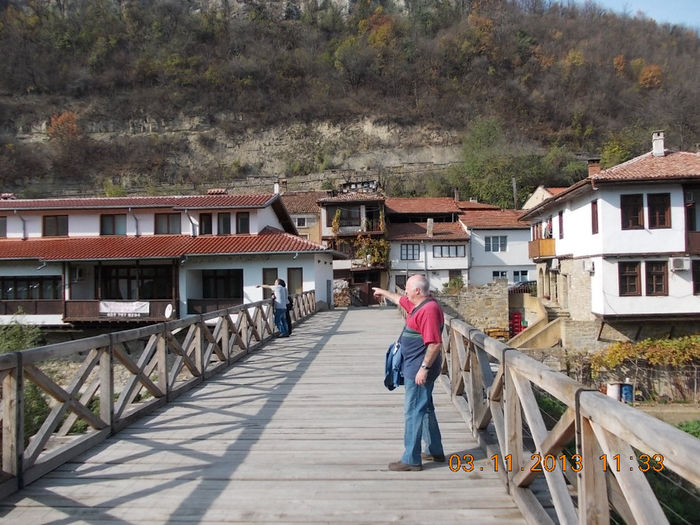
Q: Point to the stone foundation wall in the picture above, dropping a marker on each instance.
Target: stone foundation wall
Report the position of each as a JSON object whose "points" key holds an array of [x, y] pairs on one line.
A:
{"points": [[481, 306]]}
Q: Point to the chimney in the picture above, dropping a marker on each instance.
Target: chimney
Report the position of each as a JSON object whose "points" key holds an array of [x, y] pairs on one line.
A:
{"points": [[657, 143], [593, 166], [276, 188], [429, 228], [456, 195]]}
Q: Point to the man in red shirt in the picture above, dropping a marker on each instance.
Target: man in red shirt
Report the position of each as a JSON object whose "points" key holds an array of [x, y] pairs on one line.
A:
{"points": [[420, 346]]}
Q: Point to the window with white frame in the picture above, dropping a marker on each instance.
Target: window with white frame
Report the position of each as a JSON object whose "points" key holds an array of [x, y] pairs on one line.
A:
{"points": [[301, 222], [496, 243], [499, 274], [519, 276], [449, 250], [410, 252]]}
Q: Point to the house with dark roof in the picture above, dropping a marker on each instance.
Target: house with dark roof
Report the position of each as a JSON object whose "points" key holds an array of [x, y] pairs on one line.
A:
{"points": [[69, 261], [619, 251], [305, 212], [348, 217]]}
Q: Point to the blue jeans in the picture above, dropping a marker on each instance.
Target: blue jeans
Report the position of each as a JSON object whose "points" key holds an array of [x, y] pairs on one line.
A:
{"points": [[420, 422], [281, 320]]}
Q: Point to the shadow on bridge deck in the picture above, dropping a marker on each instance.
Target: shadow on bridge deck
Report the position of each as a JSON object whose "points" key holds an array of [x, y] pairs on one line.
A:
{"points": [[300, 431]]}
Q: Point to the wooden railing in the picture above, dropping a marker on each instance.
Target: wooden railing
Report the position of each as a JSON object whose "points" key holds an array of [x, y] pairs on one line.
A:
{"points": [[89, 310], [157, 362], [583, 488], [541, 248], [31, 307]]}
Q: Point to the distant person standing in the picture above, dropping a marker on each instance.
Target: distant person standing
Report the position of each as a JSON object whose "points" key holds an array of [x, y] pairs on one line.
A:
{"points": [[420, 346], [288, 316], [279, 293]]}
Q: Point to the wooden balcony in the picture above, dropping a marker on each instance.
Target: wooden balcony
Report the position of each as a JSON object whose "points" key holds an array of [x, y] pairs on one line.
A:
{"points": [[32, 307], [89, 311], [541, 248], [203, 306]]}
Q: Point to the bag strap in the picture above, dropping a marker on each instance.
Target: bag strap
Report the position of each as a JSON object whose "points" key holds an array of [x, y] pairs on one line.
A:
{"points": [[420, 306]]}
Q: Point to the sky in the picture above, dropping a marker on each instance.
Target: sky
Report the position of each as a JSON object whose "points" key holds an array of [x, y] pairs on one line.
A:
{"points": [[681, 12]]}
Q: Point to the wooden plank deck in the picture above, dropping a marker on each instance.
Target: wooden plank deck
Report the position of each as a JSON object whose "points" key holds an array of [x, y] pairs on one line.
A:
{"points": [[298, 432]]}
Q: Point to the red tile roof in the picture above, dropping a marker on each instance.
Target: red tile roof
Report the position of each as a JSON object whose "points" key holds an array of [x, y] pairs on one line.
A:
{"points": [[421, 205], [416, 231], [473, 205], [554, 191], [303, 201], [493, 219], [673, 165], [269, 240], [164, 201]]}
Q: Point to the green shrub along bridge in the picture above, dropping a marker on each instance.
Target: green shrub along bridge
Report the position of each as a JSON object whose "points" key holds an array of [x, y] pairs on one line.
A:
{"points": [[211, 418]]}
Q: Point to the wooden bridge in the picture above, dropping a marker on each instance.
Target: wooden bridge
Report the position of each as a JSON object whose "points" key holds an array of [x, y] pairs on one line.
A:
{"points": [[217, 422]]}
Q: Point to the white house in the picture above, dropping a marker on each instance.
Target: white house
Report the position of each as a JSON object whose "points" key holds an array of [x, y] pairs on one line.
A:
{"points": [[499, 246], [623, 245], [68, 261], [540, 194], [438, 250]]}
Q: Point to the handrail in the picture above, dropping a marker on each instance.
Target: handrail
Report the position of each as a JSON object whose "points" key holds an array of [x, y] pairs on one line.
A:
{"points": [[169, 359], [601, 427]]}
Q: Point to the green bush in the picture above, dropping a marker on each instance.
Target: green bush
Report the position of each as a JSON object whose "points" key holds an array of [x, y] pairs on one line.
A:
{"points": [[36, 410], [17, 336], [453, 286], [691, 427]]}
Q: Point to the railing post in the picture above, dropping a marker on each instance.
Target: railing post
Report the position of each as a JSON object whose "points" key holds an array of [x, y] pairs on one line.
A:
{"points": [[198, 347], [513, 424], [225, 333], [161, 349], [13, 421], [107, 384]]}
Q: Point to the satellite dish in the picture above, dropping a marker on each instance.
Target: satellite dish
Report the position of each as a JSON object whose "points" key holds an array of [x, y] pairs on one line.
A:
{"points": [[169, 311]]}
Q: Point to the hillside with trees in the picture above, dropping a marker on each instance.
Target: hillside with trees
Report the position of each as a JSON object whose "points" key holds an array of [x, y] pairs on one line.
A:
{"points": [[530, 84]]}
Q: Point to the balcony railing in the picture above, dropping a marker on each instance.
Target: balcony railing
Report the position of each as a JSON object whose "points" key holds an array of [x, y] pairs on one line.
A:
{"points": [[540, 248], [90, 311], [32, 307]]}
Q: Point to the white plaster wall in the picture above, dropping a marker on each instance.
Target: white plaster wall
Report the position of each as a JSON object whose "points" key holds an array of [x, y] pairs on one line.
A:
{"points": [[14, 226], [191, 285], [606, 299], [41, 320], [32, 224], [427, 261], [323, 272], [259, 218], [30, 269], [579, 241], [436, 278], [481, 275], [616, 240], [484, 263]]}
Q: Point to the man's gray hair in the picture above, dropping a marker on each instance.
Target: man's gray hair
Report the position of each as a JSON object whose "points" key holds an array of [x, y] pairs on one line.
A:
{"points": [[422, 284]]}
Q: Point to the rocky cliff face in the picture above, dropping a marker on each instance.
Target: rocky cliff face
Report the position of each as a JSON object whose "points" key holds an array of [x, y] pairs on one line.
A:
{"points": [[225, 154]]}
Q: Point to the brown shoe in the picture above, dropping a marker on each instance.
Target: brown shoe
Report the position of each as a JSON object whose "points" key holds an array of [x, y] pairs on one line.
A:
{"points": [[398, 466], [430, 457]]}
